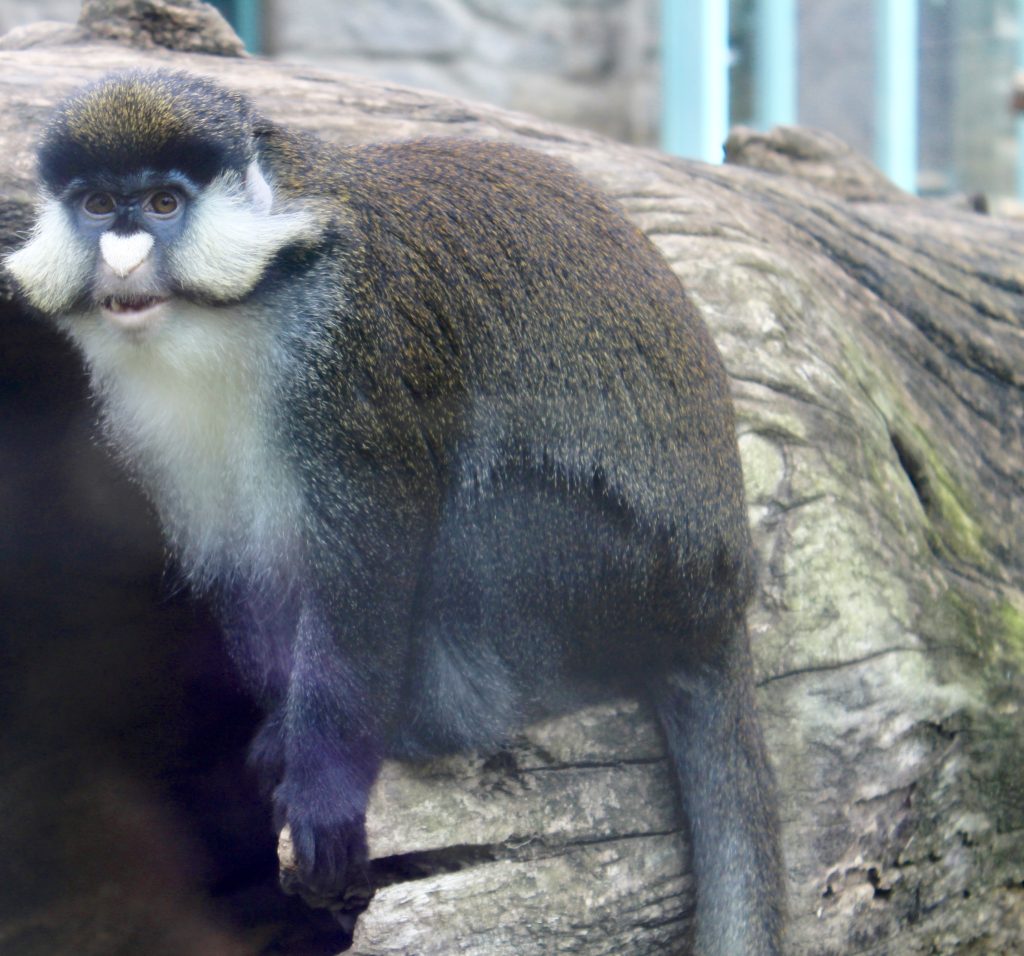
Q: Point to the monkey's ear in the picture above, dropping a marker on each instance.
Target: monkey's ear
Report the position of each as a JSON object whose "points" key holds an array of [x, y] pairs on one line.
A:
{"points": [[258, 189]]}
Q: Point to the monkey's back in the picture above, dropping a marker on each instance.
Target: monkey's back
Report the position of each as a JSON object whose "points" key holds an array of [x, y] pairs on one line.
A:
{"points": [[521, 323]]}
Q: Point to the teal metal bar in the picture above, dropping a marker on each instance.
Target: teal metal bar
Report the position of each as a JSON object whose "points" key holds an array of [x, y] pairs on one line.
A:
{"points": [[775, 63], [246, 18], [695, 77], [248, 23], [896, 91]]}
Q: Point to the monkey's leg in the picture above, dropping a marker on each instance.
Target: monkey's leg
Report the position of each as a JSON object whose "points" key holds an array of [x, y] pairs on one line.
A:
{"points": [[459, 693], [728, 796], [459, 696]]}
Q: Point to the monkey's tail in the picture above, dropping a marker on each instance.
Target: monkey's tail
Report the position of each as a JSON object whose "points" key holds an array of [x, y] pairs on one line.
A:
{"points": [[728, 797]]}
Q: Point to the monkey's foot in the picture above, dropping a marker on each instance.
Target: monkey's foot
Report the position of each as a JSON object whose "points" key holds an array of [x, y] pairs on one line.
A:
{"points": [[319, 862]]}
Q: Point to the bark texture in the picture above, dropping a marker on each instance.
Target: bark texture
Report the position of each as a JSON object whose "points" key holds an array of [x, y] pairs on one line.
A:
{"points": [[876, 345]]}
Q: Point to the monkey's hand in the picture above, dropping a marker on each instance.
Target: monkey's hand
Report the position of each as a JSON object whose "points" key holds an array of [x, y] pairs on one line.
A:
{"points": [[319, 857]]}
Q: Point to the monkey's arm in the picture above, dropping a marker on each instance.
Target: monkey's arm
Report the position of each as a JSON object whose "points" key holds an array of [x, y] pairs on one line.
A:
{"points": [[368, 519], [324, 741], [328, 737]]}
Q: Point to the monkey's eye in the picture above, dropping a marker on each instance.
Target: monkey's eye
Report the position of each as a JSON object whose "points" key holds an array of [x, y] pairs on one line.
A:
{"points": [[163, 203], [99, 204]]}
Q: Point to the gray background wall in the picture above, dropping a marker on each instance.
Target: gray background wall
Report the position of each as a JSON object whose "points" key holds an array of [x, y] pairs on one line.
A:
{"points": [[595, 63], [587, 62]]}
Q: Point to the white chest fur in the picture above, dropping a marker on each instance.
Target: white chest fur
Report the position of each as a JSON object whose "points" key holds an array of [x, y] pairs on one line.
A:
{"points": [[188, 403]]}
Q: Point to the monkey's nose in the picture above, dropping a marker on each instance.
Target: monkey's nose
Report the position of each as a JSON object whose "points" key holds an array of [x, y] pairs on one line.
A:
{"points": [[124, 254]]}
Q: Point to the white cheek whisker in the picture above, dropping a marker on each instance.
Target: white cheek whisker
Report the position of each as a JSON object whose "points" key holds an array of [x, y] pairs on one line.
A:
{"points": [[54, 267], [232, 237]]}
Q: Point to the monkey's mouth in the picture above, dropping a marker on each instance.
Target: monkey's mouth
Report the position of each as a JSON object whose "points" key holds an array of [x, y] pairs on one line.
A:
{"points": [[131, 310]]}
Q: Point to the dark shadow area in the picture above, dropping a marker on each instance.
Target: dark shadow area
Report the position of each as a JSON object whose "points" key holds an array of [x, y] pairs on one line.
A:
{"points": [[129, 823]]}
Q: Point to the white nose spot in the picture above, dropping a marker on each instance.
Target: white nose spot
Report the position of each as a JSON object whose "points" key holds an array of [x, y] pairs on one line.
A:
{"points": [[124, 254]]}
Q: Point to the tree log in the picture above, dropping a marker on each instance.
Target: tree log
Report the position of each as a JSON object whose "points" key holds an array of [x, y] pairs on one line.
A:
{"points": [[876, 347]]}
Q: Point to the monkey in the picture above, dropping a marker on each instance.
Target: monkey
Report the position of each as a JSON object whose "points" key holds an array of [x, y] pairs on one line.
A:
{"points": [[441, 435]]}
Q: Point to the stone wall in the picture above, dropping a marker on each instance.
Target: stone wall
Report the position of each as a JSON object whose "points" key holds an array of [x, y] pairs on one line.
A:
{"points": [[592, 63], [19, 13]]}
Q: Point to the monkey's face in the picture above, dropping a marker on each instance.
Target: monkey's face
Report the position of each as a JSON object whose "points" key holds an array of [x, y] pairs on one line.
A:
{"points": [[124, 247], [152, 195], [130, 231]]}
